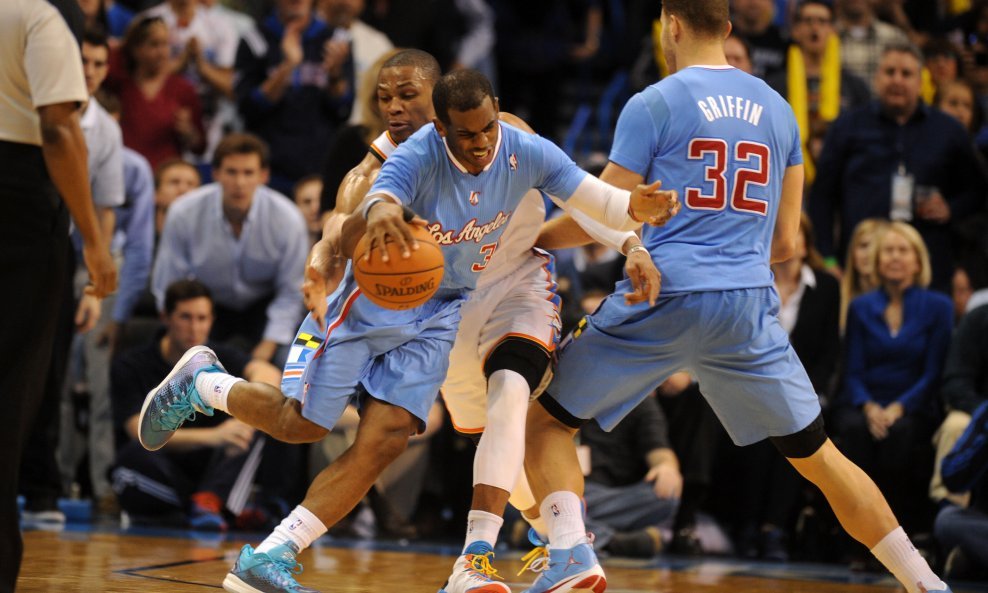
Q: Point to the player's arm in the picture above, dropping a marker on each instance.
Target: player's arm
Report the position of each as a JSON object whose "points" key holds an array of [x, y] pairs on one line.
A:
{"points": [[787, 223], [379, 215], [325, 263], [565, 232]]}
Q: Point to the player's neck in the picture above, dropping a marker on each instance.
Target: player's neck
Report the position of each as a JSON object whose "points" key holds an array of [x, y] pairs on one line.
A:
{"points": [[701, 55]]}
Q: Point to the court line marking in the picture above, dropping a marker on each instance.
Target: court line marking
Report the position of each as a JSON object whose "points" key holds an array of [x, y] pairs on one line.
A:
{"points": [[138, 571]]}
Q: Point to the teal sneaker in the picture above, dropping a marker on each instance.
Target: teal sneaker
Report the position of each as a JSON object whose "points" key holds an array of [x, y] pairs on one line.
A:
{"points": [[273, 572], [175, 400], [574, 569]]}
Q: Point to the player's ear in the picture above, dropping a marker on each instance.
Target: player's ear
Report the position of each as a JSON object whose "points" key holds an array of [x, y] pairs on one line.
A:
{"points": [[265, 175], [727, 32], [497, 105], [440, 127], [675, 27]]}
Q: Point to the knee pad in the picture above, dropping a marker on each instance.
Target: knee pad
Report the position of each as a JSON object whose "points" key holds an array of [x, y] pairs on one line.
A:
{"points": [[804, 443], [528, 359]]}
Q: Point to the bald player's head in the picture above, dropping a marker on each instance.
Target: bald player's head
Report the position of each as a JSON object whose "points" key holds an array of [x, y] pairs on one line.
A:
{"points": [[418, 59]]}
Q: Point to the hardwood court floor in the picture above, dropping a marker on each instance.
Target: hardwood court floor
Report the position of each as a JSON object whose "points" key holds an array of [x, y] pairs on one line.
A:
{"points": [[110, 562]]}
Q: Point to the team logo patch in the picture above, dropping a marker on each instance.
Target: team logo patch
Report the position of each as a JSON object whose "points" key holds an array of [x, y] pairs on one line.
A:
{"points": [[474, 198], [308, 340]]}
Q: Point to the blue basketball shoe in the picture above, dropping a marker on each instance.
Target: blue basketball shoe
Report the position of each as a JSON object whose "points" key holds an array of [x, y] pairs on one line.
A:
{"points": [[175, 400], [573, 569], [273, 572], [473, 573]]}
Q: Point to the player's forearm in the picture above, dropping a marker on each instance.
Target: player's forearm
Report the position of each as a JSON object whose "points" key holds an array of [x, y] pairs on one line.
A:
{"points": [[354, 228], [604, 203], [616, 240]]}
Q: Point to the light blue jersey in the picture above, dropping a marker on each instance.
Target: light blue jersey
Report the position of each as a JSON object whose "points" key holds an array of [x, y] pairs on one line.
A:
{"points": [[723, 139], [468, 213], [401, 357]]}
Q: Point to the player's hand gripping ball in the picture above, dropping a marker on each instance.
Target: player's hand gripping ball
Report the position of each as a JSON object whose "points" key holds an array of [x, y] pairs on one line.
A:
{"points": [[399, 283]]}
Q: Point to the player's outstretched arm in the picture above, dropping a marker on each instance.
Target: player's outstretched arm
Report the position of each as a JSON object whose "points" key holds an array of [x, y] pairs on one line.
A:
{"points": [[787, 223], [325, 264]]}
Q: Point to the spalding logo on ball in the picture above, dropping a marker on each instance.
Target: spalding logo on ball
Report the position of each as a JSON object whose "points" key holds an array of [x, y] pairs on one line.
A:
{"points": [[400, 283]]}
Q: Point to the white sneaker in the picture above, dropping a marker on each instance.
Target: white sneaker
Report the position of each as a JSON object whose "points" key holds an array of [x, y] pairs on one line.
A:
{"points": [[473, 573]]}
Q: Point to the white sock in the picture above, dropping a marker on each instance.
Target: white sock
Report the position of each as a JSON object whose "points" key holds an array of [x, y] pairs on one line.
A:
{"points": [[899, 555], [300, 527], [563, 512], [482, 527], [214, 388]]}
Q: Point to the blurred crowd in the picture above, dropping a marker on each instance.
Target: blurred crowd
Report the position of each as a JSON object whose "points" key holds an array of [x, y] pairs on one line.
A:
{"points": [[220, 130]]}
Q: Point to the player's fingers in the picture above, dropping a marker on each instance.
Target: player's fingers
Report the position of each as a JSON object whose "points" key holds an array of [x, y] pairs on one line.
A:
{"points": [[654, 285], [419, 221], [651, 188], [406, 242]]}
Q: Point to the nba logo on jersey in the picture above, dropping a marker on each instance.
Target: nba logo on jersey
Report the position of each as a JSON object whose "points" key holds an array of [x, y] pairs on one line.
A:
{"points": [[555, 510], [474, 198], [513, 162]]}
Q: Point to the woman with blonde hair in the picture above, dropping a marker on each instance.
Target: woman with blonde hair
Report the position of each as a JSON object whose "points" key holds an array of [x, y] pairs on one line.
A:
{"points": [[858, 277], [896, 342]]}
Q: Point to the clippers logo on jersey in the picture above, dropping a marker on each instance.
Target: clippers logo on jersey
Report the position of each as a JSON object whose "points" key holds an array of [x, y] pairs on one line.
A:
{"points": [[474, 198], [471, 231], [513, 162]]}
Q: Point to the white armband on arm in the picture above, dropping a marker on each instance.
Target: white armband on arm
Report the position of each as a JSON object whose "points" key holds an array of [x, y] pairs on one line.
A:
{"points": [[602, 202], [604, 235]]}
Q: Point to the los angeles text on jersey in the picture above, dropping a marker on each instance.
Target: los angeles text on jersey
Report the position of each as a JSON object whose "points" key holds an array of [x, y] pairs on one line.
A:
{"points": [[471, 231], [731, 106]]}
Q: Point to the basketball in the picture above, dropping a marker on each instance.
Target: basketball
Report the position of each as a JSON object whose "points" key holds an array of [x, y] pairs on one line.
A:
{"points": [[400, 283]]}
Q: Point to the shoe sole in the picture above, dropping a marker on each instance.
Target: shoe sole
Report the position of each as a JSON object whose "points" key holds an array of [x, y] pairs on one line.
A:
{"points": [[492, 588], [591, 583], [233, 584], [150, 397]]}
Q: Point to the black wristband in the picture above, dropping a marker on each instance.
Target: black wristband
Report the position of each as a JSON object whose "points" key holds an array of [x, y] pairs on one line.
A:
{"points": [[407, 213]]}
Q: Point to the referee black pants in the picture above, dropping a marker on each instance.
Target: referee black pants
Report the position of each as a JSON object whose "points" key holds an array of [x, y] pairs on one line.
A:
{"points": [[33, 239]]}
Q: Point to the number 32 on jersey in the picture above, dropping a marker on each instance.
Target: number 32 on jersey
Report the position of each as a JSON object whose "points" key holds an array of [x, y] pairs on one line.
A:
{"points": [[753, 163]]}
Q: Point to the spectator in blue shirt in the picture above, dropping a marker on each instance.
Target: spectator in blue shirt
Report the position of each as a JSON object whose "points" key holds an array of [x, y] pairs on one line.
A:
{"points": [[897, 137], [246, 242], [294, 88], [896, 341]]}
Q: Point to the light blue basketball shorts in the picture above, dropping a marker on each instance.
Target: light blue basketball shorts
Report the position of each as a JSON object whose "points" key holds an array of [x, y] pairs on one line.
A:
{"points": [[731, 341], [398, 357]]}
